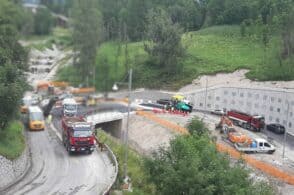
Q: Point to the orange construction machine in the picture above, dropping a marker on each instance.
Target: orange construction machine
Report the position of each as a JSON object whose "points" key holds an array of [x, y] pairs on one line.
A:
{"points": [[226, 126]]}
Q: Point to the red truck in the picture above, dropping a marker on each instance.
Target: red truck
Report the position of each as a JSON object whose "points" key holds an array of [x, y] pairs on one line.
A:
{"points": [[247, 121], [77, 135]]}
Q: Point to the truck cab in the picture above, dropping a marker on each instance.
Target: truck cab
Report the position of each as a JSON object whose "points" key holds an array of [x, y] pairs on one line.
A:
{"points": [[69, 107], [77, 135]]}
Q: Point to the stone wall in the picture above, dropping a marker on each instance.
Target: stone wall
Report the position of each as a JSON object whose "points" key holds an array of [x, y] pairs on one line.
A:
{"points": [[12, 170], [276, 105]]}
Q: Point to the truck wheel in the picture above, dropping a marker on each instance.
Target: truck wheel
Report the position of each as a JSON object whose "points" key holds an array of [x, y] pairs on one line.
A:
{"points": [[270, 151], [243, 125]]}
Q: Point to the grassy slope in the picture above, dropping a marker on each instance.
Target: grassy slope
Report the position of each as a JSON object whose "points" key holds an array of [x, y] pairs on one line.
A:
{"points": [[12, 141], [210, 50], [140, 184]]}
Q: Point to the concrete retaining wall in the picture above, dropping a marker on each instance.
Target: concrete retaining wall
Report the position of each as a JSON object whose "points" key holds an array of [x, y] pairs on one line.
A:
{"points": [[276, 105], [12, 170]]}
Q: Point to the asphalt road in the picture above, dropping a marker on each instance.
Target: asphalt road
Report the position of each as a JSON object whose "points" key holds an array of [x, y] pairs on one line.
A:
{"points": [[55, 172]]}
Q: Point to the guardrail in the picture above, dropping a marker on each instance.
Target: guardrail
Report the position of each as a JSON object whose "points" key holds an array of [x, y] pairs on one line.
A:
{"points": [[114, 161]]}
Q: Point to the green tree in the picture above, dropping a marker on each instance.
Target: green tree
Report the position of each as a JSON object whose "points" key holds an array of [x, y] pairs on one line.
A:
{"points": [[87, 34], [43, 21], [192, 165], [165, 50], [13, 61]]}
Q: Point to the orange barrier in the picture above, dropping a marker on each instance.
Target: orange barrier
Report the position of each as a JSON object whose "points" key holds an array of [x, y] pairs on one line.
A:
{"points": [[46, 84], [263, 166], [82, 90], [163, 122]]}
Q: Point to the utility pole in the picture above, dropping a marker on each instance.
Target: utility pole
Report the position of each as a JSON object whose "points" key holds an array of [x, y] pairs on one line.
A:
{"points": [[285, 134]]}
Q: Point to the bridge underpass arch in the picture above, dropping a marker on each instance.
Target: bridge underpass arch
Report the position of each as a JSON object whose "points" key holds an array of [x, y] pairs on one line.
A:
{"points": [[111, 127]]}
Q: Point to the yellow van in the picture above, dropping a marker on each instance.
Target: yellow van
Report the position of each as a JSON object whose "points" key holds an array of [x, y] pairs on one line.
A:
{"points": [[35, 118]]}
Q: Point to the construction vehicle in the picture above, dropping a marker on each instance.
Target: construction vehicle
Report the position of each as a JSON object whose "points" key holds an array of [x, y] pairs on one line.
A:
{"points": [[69, 107], [247, 121], [226, 126], [77, 135], [177, 102], [258, 145]]}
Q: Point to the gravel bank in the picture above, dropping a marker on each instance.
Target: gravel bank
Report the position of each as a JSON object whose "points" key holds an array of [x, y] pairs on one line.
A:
{"points": [[12, 170]]}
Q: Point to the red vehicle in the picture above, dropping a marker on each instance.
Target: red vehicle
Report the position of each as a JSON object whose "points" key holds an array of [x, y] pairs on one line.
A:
{"points": [[246, 121], [77, 135]]}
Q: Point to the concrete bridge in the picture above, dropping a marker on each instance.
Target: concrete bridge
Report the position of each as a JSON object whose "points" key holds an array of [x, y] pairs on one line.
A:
{"points": [[111, 122]]}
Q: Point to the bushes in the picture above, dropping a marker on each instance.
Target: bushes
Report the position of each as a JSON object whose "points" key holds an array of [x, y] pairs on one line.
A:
{"points": [[12, 141]]}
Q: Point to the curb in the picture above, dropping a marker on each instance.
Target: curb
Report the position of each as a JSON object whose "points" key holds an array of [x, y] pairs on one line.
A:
{"points": [[29, 165]]}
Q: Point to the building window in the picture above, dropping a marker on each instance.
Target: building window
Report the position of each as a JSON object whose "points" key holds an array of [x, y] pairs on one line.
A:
{"points": [[291, 113], [279, 100], [225, 92], [234, 93], [208, 105], [271, 108], [200, 104], [256, 105], [233, 102], [264, 97], [249, 95], [278, 109], [217, 98], [290, 124], [241, 94], [249, 104], [272, 99], [277, 120], [284, 122], [241, 102], [256, 96], [264, 107], [209, 97], [216, 106], [292, 103], [270, 118], [225, 101]]}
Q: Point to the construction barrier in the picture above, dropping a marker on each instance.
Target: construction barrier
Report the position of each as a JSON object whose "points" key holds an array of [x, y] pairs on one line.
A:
{"points": [[263, 166], [82, 90]]}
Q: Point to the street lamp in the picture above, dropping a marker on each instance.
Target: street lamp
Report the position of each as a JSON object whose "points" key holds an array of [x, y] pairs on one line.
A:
{"points": [[126, 139]]}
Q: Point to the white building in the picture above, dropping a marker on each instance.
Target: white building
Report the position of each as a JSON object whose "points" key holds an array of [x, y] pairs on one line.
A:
{"points": [[276, 105]]}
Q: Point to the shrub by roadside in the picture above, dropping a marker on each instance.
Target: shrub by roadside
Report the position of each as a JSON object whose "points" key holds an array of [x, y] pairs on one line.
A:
{"points": [[12, 141], [136, 172]]}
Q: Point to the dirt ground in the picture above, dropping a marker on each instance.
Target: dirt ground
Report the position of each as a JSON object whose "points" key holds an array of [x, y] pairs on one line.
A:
{"points": [[235, 79]]}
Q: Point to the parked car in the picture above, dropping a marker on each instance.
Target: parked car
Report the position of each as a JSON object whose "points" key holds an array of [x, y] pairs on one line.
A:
{"points": [[276, 128], [217, 112]]}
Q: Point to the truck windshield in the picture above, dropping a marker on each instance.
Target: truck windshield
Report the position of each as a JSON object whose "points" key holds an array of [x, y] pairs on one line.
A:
{"points": [[70, 107], [82, 133], [36, 116]]}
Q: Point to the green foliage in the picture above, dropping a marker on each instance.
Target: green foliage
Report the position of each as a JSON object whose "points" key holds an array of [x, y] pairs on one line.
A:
{"points": [[86, 34], [12, 141], [13, 61], [135, 166], [197, 127], [165, 49], [43, 22], [192, 165]]}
